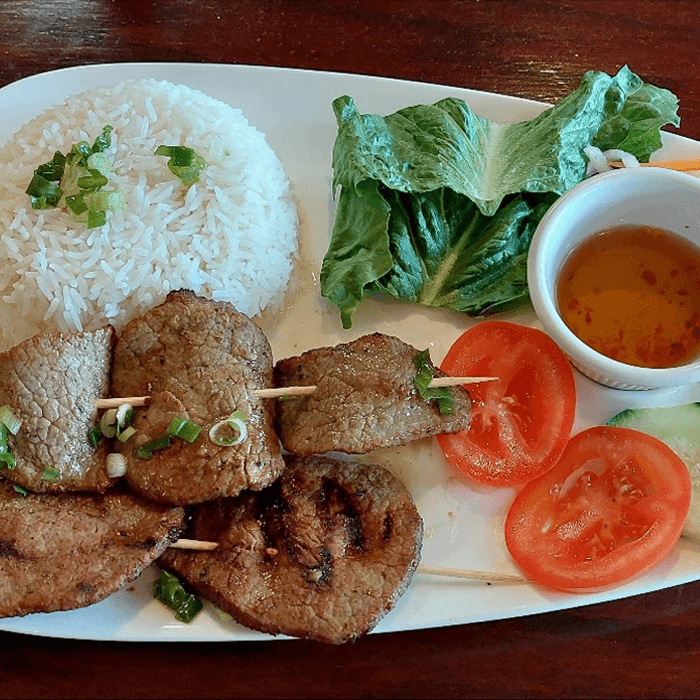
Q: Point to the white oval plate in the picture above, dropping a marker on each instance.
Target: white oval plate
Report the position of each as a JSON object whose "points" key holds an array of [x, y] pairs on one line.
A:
{"points": [[464, 528]]}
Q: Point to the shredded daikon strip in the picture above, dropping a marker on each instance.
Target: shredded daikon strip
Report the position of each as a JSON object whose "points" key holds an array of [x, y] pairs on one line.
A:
{"points": [[599, 161]]}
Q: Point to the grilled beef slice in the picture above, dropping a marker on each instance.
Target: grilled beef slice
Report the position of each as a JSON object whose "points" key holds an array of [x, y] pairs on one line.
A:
{"points": [[365, 399], [66, 551], [50, 382], [199, 360], [323, 554]]}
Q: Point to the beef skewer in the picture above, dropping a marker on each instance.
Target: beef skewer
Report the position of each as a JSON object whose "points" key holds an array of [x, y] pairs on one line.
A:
{"points": [[371, 393], [323, 553], [286, 391], [198, 360], [49, 382], [63, 551]]}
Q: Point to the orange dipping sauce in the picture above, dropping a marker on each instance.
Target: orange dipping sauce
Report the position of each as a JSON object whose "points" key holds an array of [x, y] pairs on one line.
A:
{"points": [[633, 293]]}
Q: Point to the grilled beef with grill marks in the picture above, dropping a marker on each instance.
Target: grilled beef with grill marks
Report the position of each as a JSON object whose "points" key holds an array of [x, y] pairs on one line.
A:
{"points": [[365, 399], [199, 360], [321, 554], [50, 382], [66, 551]]}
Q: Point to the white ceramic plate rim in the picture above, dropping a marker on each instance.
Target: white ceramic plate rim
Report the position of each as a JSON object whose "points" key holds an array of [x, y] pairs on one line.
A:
{"points": [[463, 526]]}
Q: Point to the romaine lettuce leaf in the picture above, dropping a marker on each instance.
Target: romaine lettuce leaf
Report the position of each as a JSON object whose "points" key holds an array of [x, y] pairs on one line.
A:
{"points": [[438, 205]]}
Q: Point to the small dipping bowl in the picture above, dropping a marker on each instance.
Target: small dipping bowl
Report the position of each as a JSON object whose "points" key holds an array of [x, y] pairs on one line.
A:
{"points": [[646, 196]]}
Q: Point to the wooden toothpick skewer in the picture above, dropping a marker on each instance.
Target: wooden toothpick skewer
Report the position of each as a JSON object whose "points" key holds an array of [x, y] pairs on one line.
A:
{"points": [[277, 392], [115, 402], [466, 574], [198, 545], [470, 574], [272, 393]]}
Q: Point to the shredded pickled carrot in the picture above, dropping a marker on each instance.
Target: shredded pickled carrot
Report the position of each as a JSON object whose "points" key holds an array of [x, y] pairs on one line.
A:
{"points": [[684, 165]]}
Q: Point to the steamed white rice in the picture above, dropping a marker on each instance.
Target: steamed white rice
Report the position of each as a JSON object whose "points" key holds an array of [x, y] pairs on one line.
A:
{"points": [[231, 236]]}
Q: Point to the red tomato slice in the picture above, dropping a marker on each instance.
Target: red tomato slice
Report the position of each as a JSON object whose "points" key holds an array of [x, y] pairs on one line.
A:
{"points": [[521, 423], [613, 507]]}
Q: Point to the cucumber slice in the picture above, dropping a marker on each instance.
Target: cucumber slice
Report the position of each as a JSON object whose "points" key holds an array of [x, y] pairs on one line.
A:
{"points": [[679, 428]]}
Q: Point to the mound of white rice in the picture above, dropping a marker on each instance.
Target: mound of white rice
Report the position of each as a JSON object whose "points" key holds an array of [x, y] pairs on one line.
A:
{"points": [[231, 236]]}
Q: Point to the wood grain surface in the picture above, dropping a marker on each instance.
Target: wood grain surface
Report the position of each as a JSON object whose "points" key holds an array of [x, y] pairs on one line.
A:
{"points": [[645, 646]]}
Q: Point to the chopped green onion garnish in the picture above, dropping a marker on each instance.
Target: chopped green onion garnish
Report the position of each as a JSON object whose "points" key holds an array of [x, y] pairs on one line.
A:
{"points": [[95, 435], [103, 141], [125, 415], [443, 396], [108, 200], [75, 179], [445, 400], [76, 203], [93, 181], [20, 490], [79, 153], [99, 162], [54, 169], [44, 189], [43, 193], [50, 474], [9, 419], [7, 460], [234, 423], [115, 422], [185, 429], [125, 434], [168, 590], [147, 449], [185, 163], [96, 218], [222, 615], [108, 423], [116, 465]]}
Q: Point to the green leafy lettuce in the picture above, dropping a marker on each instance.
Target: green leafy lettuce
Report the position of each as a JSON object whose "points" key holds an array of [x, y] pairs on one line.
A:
{"points": [[438, 205]]}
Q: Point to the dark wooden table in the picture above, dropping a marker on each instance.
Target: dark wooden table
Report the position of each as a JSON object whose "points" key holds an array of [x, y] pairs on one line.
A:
{"points": [[645, 646]]}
